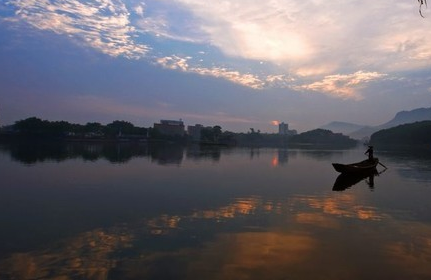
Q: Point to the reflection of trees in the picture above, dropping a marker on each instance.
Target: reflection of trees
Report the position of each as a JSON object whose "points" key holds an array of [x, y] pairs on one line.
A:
{"points": [[167, 154], [254, 152], [30, 152], [198, 152], [33, 152], [319, 154], [415, 162], [404, 154]]}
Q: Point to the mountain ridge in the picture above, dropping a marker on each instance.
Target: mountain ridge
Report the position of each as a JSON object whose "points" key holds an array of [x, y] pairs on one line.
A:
{"points": [[342, 127], [363, 132]]}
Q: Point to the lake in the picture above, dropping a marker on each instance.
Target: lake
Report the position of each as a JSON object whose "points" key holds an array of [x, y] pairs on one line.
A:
{"points": [[140, 211]]}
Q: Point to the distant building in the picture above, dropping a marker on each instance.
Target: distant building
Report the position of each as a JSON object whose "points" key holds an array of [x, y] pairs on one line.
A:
{"points": [[170, 127], [283, 129], [194, 131]]}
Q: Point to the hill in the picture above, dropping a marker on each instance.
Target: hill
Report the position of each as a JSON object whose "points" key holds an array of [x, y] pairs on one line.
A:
{"points": [[412, 116], [413, 134], [342, 127], [403, 117], [322, 137]]}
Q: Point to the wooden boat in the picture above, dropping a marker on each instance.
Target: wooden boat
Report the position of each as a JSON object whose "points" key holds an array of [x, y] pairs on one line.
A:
{"points": [[358, 167]]}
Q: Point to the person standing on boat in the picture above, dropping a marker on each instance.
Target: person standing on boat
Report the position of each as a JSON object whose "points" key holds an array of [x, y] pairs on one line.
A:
{"points": [[370, 153]]}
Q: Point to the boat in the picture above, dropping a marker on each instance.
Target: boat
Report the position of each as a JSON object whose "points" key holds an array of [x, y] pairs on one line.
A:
{"points": [[358, 167]]}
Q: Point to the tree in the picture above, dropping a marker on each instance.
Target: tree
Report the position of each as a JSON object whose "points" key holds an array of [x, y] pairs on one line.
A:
{"points": [[413, 134], [123, 128], [216, 133], [93, 127], [30, 125]]}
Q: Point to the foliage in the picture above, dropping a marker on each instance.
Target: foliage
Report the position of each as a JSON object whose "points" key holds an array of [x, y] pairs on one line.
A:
{"points": [[91, 127], [211, 134], [259, 139], [123, 128], [42, 128], [322, 136], [36, 126], [215, 135], [418, 133]]}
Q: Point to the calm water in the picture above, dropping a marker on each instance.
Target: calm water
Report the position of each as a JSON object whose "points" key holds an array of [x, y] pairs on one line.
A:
{"points": [[138, 212]]}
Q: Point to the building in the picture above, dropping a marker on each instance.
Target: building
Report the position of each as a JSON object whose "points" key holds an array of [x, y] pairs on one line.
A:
{"points": [[170, 127], [283, 129], [194, 131]]}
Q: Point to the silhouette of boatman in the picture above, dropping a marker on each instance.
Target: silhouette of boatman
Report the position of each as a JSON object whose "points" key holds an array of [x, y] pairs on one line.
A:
{"points": [[370, 153]]}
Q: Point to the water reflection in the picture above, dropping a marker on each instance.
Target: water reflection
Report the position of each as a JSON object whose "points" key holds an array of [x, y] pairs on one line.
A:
{"points": [[250, 238], [171, 213], [86, 256], [32, 152], [281, 158], [162, 153], [347, 180], [411, 163], [167, 154], [198, 152], [320, 154], [122, 152]]}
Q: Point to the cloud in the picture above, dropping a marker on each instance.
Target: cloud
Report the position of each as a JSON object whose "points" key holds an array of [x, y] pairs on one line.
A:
{"points": [[248, 79], [251, 30], [322, 36], [164, 19], [101, 24], [181, 63], [303, 41], [139, 10], [174, 62], [279, 81], [342, 86], [345, 205], [339, 86], [301, 45]]}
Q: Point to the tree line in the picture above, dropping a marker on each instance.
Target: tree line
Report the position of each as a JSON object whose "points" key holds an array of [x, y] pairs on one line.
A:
{"points": [[412, 134], [36, 127], [33, 127]]}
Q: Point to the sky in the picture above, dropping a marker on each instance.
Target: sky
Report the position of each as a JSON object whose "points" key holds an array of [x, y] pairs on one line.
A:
{"points": [[239, 64]]}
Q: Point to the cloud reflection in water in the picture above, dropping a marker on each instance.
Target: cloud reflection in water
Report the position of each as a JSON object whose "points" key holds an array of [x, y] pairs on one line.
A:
{"points": [[250, 238]]}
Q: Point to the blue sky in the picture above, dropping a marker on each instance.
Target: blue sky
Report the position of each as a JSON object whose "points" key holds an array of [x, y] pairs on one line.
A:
{"points": [[238, 64]]}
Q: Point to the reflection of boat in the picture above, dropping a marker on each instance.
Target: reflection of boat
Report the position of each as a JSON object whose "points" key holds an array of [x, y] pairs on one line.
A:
{"points": [[364, 166], [347, 180]]}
